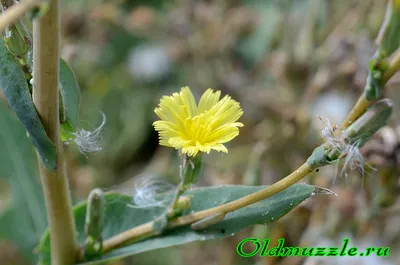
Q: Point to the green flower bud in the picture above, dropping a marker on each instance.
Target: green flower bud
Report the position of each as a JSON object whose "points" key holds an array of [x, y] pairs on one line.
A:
{"points": [[182, 204], [93, 247], [94, 223], [377, 67], [18, 40], [191, 169]]}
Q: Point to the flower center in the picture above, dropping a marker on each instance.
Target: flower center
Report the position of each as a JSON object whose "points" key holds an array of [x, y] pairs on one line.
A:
{"points": [[197, 128]]}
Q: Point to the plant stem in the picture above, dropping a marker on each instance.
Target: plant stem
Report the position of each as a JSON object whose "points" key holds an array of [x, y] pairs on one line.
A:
{"points": [[178, 193], [146, 230], [358, 109], [394, 66], [46, 56], [362, 103], [16, 12]]}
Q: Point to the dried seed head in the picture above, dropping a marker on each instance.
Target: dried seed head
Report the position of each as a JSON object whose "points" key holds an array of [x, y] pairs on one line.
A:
{"points": [[328, 134], [338, 147]]}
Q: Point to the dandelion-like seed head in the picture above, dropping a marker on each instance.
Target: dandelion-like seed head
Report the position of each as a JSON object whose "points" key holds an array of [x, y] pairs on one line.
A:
{"points": [[197, 128], [89, 141]]}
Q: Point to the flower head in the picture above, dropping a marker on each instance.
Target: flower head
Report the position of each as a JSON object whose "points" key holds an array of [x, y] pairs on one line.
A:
{"points": [[197, 128]]}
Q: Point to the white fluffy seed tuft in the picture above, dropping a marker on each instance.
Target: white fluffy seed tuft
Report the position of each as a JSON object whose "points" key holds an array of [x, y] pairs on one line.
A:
{"points": [[354, 160], [89, 141], [148, 192]]}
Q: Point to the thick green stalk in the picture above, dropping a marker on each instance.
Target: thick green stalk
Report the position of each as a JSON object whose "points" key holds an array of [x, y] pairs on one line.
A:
{"points": [[46, 56]]}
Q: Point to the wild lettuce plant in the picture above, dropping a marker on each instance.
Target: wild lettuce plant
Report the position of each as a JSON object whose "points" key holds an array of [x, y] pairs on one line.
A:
{"points": [[44, 94]]}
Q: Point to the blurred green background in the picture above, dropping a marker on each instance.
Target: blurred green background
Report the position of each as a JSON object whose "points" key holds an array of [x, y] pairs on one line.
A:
{"points": [[285, 61]]}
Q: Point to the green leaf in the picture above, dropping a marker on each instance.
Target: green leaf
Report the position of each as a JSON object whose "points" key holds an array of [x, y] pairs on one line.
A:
{"points": [[24, 221], [16, 90], [69, 100], [120, 217], [374, 118], [389, 35]]}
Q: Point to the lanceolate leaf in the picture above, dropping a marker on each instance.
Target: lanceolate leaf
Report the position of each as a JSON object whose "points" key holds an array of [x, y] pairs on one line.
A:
{"points": [[389, 37], [69, 101], [16, 90], [24, 220], [120, 217]]}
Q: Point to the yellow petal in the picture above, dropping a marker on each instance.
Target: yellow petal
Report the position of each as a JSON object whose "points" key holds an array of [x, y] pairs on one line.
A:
{"points": [[223, 135], [188, 101], [170, 110], [208, 100], [220, 148], [190, 150], [178, 142]]}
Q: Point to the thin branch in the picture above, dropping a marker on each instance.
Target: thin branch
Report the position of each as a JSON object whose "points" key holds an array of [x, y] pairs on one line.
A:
{"points": [[358, 109], [46, 55], [146, 230], [16, 12], [362, 103], [394, 66]]}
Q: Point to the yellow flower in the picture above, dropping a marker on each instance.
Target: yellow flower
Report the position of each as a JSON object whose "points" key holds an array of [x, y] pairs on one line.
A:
{"points": [[192, 128]]}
